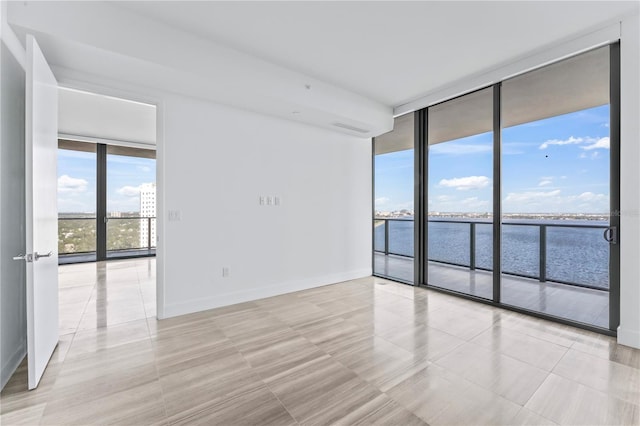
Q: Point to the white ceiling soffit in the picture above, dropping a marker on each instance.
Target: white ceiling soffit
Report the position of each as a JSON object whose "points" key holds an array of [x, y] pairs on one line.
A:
{"points": [[389, 51], [570, 85], [111, 43], [90, 115]]}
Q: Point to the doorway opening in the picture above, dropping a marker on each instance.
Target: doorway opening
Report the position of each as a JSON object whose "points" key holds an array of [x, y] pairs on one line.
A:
{"points": [[107, 212]]}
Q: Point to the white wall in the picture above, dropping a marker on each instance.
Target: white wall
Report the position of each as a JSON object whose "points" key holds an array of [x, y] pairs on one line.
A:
{"points": [[629, 330], [217, 162]]}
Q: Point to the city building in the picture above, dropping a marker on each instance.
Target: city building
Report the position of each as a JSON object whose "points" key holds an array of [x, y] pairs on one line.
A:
{"points": [[148, 210], [264, 312]]}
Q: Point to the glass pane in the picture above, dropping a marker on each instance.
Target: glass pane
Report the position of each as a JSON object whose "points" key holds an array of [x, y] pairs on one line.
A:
{"points": [[393, 223], [76, 201], [460, 205], [131, 201], [401, 237], [565, 244], [520, 254], [449, 242], [555, 196], [379, 229]]}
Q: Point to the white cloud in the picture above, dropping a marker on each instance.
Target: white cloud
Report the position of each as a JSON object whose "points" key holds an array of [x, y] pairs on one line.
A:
{"points": [[459, 149], [570, 141], [593, 143], [466, 183], [69, 184], [590, 196], [600, 143], [594, 155], [545, 182], [132, 191]]}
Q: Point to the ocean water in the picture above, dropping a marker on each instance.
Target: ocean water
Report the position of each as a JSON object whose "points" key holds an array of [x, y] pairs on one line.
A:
{"points": [[574, 255]]}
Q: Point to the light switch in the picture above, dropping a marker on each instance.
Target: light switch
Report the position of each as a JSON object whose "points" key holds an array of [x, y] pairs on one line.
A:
{"points": [[276, 200], [174, 215], [269, 200], [261, 200]]}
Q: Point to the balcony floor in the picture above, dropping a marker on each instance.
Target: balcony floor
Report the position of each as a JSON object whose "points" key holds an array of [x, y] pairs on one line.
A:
{"points": [[65, 259], [560, 300]]}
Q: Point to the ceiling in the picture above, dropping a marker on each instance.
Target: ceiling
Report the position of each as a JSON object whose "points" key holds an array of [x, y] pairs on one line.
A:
{"points": [[339, 65], [91, 116], [389, 51]]}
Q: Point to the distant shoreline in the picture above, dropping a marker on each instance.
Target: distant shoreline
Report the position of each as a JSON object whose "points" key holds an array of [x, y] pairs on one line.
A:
{"points": [[509, 216]]}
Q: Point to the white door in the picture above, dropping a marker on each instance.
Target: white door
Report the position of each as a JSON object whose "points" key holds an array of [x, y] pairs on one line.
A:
{"points": [[41, 139]]}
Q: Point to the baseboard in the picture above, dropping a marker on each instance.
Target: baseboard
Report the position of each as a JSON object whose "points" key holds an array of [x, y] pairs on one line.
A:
{"points": [[9, 367], [629, 337], [220, 300]]}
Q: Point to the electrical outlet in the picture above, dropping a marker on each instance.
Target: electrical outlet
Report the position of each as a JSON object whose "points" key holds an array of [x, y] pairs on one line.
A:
{"points": [[174, 215]]}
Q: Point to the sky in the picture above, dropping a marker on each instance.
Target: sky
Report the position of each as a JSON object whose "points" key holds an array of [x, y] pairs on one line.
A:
{"points": [[555, 165], [77, 181]]}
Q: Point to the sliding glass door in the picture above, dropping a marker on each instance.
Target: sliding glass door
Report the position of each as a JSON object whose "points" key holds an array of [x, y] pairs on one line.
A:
{"points": [[131, 201], [556, 193], [460, 194], [393, 225]]}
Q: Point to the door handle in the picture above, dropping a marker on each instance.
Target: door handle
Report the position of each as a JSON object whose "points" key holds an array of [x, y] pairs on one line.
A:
{"points": [[611, 235], [25, 257], [37, 256]]}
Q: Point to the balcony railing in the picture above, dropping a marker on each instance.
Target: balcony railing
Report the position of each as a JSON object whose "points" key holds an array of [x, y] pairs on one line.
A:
{"points": [[574, 254], [77, 235]]}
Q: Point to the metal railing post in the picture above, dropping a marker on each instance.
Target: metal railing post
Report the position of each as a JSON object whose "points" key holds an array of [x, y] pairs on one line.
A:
{"points": [[148, 233], [386, 237], [543, 253], [472, 245]]}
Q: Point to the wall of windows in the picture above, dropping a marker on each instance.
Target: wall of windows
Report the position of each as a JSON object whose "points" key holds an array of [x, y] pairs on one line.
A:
{"points": [[517, 192], [106, 200]]}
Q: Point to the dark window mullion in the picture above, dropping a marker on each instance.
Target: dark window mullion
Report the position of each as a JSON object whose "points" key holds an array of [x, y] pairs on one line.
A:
{"points": [[497, 187], [420, 213], [101, 202], [614, 182]]}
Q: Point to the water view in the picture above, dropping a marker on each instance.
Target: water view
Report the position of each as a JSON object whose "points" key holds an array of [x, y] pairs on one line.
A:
{"points": [[576, 252]]}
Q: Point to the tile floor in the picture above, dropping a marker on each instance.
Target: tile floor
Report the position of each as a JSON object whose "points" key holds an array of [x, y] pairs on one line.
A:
{"points": [[367, 351]]}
